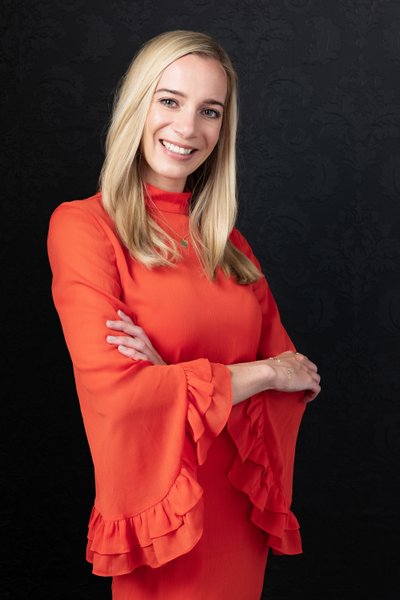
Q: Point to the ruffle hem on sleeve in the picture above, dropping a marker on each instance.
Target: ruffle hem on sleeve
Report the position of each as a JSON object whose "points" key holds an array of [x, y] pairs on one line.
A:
{"points": [[252, 473], [163, 532], [174, 525], [210, 403]]}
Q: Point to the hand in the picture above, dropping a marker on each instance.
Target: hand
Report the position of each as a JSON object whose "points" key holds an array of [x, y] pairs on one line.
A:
{"points": [[134, 342], [294, 372]]}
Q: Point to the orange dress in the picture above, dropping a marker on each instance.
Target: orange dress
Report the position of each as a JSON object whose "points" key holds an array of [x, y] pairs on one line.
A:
{"points": [[190, 491]]}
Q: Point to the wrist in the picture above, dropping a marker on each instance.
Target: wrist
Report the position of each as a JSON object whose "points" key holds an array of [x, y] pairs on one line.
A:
{"points": [[268, 375]]}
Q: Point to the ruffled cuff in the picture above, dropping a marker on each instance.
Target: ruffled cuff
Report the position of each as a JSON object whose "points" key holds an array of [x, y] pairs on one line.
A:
{"points": [[252, 473], [173, 526], [154, 537], [210, 402]]}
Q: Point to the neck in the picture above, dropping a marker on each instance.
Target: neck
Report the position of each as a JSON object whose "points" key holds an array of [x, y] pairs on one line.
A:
{"points": [[167, 184]]}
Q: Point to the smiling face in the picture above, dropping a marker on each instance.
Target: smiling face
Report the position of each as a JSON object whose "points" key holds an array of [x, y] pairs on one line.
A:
{"points": [[184, 121]]}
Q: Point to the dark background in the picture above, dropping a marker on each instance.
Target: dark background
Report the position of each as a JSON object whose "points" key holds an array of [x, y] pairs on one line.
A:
{"points": [[319, 163]]}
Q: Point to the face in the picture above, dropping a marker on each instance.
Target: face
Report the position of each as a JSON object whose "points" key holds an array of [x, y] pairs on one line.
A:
{"points": [[184, 121]]}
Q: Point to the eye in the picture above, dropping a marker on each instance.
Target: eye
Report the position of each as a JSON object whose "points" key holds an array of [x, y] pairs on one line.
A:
{"points": [[169, 102], [211, 113]]}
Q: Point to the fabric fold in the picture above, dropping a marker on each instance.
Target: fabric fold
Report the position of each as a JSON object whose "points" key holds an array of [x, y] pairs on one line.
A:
{"points": [[174, 525], [210, 403], [150, 426], [258, 470], [154, 537]]}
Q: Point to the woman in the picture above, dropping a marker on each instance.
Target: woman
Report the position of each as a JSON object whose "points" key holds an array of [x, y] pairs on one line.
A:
{"points": [[190, 389]]}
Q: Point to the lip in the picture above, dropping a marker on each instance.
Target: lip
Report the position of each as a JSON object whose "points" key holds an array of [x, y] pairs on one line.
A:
{"points": [[177, 144], [174, 155]]}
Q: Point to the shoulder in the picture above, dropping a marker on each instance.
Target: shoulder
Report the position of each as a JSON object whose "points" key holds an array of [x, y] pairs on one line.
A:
{"points": [[80, 248], [81, 227], [238, 239], [77, 217], [88, 209], [241, 243]]}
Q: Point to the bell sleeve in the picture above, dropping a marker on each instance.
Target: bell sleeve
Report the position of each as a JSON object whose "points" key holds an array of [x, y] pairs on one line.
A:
{"points": [[148, 426], [264, 430]]}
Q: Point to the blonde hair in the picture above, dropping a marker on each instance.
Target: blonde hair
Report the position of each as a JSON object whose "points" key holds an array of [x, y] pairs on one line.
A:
{"points": [[213, 185]]}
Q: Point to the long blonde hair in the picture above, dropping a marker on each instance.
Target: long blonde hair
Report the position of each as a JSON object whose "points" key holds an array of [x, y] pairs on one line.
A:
{"points": [[213, 185]]}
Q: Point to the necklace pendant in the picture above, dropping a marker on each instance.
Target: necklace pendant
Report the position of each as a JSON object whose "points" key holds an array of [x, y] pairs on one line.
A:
{"points": [[184, 243]]}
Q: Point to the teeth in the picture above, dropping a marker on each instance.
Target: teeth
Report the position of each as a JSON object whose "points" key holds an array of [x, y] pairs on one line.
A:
{"points": [[176, 149]]}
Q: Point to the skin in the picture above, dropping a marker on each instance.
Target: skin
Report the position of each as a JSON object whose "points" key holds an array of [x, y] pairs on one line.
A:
{"points": [[189, 118], [192, 118]]}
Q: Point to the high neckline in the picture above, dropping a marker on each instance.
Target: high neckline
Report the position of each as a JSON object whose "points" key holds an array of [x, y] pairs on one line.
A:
{"points": [[174, 202]]}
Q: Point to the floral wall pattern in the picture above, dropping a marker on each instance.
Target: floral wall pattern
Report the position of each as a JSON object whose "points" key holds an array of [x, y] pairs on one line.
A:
{"points": [[319, 183]]}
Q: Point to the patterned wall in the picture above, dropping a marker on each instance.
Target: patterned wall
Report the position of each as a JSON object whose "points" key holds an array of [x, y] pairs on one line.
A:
{"points": [[319, 163]]}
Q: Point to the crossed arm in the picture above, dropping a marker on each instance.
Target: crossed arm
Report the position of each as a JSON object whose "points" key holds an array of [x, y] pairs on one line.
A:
{"points": [[286, 372]]}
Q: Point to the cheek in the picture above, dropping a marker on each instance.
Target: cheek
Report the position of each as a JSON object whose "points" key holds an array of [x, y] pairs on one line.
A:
{"points": [[144, 144], [213, 136], [154, 121], [150, 129]]}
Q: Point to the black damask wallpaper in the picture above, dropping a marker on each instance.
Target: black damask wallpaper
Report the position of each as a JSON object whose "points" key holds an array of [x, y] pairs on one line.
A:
{"points": [[319, 164]]}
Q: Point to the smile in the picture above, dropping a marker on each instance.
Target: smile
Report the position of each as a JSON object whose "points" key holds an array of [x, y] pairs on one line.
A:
{"points": [[177, 149]]}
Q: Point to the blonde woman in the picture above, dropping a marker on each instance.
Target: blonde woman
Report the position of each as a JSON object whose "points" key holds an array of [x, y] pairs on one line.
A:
{"points": [[190, 389]]}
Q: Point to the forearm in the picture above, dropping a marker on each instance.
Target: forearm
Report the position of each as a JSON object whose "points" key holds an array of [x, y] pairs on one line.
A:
{"points": [[248, 379], [286, 372]]}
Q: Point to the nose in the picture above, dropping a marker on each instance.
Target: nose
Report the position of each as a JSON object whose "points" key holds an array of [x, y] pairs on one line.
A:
{"points": [[185, 123]]}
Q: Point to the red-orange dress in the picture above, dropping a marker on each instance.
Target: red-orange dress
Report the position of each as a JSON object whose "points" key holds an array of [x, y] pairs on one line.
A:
{"points": [[190, 491]]}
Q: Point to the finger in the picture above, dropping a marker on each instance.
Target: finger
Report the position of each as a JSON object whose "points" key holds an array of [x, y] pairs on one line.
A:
{"points": [[120, 325], [130, 342], [310, 395], [315, 377], [305, 360], [131, 353], [308, 364], [128, 328], [311, 373], [315, 380], [312, 366], [124, 317]]}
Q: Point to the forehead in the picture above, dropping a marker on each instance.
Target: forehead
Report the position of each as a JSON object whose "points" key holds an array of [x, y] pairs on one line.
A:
{"points": [[196, 75]]}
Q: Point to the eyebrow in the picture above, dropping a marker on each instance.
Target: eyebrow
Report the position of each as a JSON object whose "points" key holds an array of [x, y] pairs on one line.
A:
{"points": [[177, 93]]}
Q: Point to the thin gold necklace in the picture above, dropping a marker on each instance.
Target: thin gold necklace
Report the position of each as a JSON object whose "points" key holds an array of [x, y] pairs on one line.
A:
{"points": [[182, 240]]}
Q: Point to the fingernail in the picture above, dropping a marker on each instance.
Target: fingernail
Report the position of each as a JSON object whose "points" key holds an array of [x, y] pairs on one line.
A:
{"points": [[121, 312], [110, 338]]}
